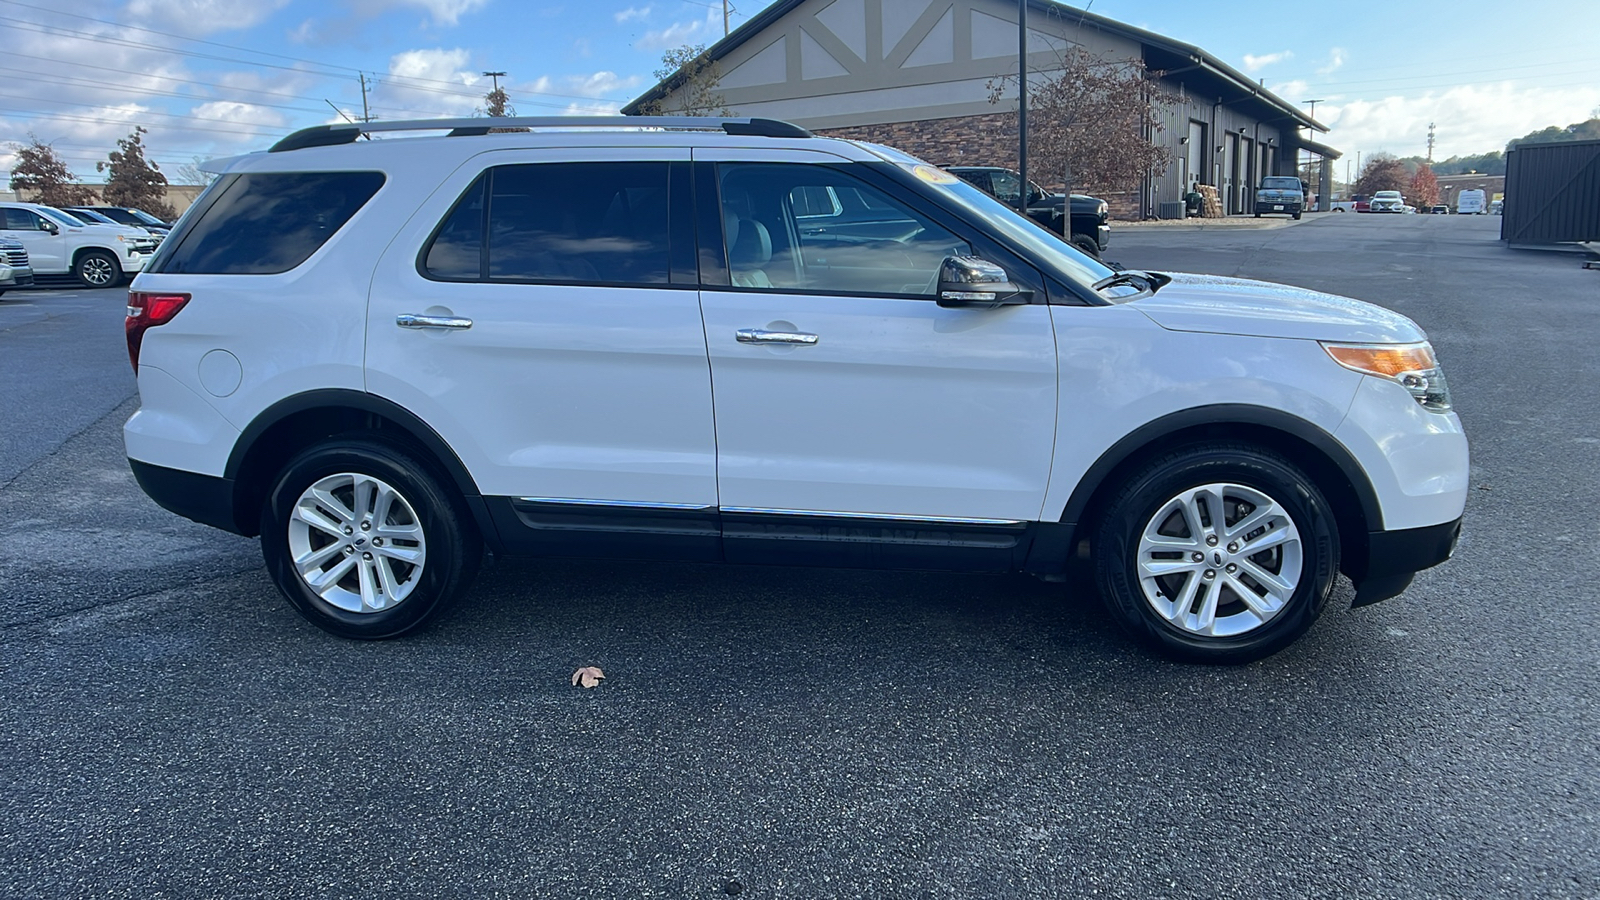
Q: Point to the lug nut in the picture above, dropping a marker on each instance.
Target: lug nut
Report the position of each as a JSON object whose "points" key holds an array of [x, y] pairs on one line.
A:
{"points": [[366, 556], [1232, 568], [1210, 574], [366, 526], [349, 551], [377, 542], [349, 530], [1233, 547], [1211, 541]]}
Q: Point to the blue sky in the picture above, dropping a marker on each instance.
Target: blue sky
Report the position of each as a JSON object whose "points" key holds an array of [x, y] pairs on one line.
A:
{"points": [[218, 77]]}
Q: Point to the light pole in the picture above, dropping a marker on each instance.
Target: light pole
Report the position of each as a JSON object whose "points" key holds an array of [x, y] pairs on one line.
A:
{"points": [[1022, 106]]}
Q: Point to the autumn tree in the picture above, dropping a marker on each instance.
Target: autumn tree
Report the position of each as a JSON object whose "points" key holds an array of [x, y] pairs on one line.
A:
{"points": [[497, 104], [1382, 173], [45, 176], [1092, 120], [1424, 190], [134, 180], [191, 173], [689, 81]]}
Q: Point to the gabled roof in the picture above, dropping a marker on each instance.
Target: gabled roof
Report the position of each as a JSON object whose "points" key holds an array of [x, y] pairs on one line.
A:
{"points": [[1169, 55]]}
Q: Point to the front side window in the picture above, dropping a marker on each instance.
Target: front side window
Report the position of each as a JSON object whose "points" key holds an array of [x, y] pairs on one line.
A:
{"points": [[23, 220], [874, 244], [1007, 187]]}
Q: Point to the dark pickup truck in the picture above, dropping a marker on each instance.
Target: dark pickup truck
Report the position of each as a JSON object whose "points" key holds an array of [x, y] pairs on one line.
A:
{"points": [[1091, 228], [1280, 194]]}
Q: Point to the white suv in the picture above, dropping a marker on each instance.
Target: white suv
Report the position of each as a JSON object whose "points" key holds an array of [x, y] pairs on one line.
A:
{"points": [[59, 243], [634, 338]]}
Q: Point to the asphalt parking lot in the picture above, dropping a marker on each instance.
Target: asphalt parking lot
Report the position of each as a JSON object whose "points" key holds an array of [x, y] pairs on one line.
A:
{"points": [[171, 728]]}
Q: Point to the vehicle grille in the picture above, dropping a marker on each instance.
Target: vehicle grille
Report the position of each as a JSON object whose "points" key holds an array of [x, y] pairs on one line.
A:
{"points": [[17, 258]]}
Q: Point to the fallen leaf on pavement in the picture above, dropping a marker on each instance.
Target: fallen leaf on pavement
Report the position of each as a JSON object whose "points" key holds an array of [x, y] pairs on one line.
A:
{"points": [[588, 676]]}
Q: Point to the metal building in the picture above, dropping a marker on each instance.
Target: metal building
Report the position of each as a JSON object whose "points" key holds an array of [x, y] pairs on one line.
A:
{"points": [[1552, 193]]}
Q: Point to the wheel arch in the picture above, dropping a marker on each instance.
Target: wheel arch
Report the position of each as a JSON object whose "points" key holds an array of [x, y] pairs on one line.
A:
{"points": [[78, 254], [1334, 469], [294, 423]]}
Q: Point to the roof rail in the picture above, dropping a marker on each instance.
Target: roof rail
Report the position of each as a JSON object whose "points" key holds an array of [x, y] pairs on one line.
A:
{"points": [[333, 135]]}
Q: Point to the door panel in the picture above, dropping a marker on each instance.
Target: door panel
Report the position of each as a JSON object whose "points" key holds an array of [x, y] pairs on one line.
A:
{"points": [[570, 389], [899, 408]]}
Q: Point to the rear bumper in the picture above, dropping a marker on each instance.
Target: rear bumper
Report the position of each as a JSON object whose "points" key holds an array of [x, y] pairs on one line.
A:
{"points": [[206, 499], [1395, 557]]}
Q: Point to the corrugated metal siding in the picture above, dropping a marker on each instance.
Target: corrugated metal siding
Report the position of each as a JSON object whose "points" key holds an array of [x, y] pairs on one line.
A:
{"points": [[1552, 193]]}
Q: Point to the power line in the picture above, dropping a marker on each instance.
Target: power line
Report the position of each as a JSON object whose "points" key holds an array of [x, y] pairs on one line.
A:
{"points": [[139, 44], [70, 81]]}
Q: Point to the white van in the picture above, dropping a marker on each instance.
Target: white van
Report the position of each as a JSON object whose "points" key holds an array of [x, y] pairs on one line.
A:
{"points": [[1472, 203]]}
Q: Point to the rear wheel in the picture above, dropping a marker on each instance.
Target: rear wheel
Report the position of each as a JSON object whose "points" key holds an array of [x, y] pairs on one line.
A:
{"points": [[1217, 553], [364, 542], [97, 269]]}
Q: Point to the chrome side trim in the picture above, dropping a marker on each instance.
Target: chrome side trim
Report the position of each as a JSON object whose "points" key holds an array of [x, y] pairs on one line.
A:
{"points": [[632, 504], [942, 520]]}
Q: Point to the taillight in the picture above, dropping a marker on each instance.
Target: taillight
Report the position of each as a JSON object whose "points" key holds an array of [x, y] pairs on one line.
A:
{"points": [[146, 311]]}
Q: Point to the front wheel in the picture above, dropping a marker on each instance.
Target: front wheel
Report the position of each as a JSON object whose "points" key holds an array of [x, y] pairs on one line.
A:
{"points": [[1297, 216], [97, 269], [1086, 245], [1217, 553], [364, 542]]}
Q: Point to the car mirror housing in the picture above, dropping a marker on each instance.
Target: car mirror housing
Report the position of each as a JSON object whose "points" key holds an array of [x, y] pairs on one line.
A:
{"points": [[969, 282]]}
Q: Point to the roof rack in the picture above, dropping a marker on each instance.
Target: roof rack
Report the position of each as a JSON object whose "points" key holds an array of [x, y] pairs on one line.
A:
{"points": [[333, 135]]}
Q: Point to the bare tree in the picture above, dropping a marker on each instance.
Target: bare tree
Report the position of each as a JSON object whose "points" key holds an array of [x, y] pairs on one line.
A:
{"points": [[1092, 120], [42, 172], [135, 181], [191, 173], [689, 79]]}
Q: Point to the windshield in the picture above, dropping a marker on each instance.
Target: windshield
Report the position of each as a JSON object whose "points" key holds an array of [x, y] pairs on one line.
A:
{"points": [[1281, 184], [63, 218], [1046, 250], [92, 216], [145, 217]]}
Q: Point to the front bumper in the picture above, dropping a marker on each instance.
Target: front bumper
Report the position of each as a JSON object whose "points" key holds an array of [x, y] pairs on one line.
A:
{"points": [[1395, 557], [16, 277]]}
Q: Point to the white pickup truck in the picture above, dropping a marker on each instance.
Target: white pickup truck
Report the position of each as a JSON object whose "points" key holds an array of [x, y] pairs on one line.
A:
{"points": [[61, 244]]}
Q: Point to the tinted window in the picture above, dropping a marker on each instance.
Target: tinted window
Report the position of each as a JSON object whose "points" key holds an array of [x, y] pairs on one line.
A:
{"points": [[265, 223], [22, 220], [456, 253], [873, 245], [598, 222], [1281, 183]]}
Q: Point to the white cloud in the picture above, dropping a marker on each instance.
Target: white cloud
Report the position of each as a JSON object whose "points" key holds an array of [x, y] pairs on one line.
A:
{"points": [[633, 12], [678, 33], [204, 16], [428, 82], [234, 112], [1336, 58], [597, 85], [1470, 118], [442, 12], [1253, 63]]}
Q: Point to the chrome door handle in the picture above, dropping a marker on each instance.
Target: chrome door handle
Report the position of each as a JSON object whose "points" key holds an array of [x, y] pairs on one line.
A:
{"points": [[408, 320], [762, 336]]}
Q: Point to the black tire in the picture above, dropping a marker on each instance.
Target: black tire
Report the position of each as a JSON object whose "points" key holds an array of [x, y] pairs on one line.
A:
{"points": [[1086, 245], [1258, 215], [97, 269], [1162, 482], [453, 548], [1297, 216]]}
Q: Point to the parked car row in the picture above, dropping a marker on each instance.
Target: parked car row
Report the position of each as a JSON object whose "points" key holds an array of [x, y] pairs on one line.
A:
{"points": [[1090, 223], [87, 244]]}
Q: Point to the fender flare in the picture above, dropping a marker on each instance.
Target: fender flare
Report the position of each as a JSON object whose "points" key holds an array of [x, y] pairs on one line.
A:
{"points": [[1225, 414]]}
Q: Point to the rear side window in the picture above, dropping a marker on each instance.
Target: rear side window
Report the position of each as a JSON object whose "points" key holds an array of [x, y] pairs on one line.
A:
{"points": [[592, 223], [266, 223]]}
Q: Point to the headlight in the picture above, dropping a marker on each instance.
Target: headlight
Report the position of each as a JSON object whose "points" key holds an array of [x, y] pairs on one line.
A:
{"points": [[1412, 366]]}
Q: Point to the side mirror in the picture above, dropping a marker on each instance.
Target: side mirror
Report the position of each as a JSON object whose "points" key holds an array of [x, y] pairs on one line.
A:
{"points": [[967, 282], [51, 227]]}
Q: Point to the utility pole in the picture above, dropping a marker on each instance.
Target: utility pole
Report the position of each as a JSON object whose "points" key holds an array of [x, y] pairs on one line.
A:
{"points": [[1430, 143], [496, 76], [1022, 109], [724, 18], [366, 112]]}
